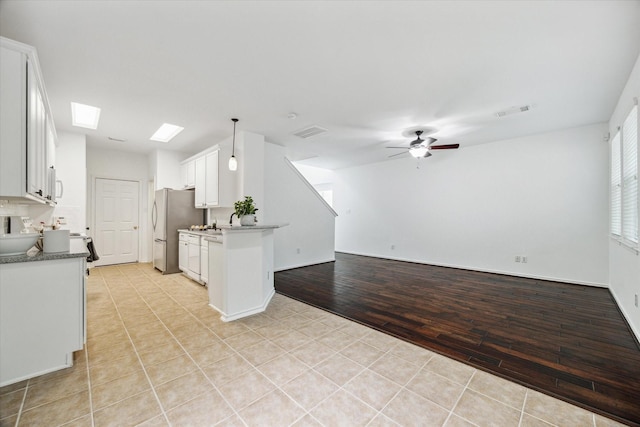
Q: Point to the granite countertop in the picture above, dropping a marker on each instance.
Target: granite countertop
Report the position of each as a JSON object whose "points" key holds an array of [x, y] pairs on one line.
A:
{"points": [[225, 228], [250, 227], [77, 249], [207, 232]]}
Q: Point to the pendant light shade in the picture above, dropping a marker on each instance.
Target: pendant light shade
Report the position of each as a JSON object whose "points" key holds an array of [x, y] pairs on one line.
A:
{"points": [[233, 162]]}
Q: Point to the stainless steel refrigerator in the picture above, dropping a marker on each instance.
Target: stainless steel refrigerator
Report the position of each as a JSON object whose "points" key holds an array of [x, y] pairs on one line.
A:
{"points": [[172, 210]]}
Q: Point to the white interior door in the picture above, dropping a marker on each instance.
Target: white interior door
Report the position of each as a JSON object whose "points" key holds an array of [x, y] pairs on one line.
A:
{"points": [[116, 214]]}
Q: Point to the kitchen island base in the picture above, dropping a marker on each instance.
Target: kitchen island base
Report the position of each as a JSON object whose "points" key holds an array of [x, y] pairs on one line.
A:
{"points": [[241, 271]]}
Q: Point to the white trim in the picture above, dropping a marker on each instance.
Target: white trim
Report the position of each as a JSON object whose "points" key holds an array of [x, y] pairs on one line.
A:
{"points": [[229, 317], [293, 266], [92, 203], [308, 184], [626, 315], [506, 273]]}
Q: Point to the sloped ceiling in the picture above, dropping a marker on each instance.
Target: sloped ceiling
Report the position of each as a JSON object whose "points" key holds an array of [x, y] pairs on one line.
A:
{"points": [[368, 72]]}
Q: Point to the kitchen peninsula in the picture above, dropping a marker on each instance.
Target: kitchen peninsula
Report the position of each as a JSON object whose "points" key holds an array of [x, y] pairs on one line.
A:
{"points": [[241, 270]]}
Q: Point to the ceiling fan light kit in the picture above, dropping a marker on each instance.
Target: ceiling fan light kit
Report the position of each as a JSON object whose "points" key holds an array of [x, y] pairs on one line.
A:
{"points": [[420, 148]]}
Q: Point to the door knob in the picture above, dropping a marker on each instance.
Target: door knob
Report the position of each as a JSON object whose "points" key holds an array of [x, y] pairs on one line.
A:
{"points": [[135, 227]]}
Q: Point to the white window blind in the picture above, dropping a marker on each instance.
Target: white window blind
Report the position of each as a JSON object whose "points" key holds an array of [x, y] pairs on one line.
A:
{"points": [[616, 187], [630, 177]]}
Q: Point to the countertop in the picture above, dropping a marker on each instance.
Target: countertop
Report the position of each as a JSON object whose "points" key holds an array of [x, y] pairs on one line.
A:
{"points": [[226, 228], [77, 249], [209, 232]]}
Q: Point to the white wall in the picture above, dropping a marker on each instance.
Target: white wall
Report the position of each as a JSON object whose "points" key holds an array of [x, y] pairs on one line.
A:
{"points": [[624, 264], [288, 198], [71, 169], [315, 175], [115, 164], [543, 197]]}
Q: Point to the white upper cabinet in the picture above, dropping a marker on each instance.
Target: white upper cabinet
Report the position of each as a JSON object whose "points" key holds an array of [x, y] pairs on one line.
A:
{"points": [[211, 179], [201, 180], [27, 132], [214, 185], [188, 174]]}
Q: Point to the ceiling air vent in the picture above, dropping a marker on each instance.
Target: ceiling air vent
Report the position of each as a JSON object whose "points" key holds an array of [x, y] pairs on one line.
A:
{"points": [[310, 131], [513, 110]]}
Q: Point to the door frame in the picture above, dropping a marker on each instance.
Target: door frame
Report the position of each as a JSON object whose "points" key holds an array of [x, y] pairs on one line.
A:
{"points": [[92, 210]]}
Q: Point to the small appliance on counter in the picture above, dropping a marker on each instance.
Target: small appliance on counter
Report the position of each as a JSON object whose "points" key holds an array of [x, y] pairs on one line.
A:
{"points": [[55, 241]]}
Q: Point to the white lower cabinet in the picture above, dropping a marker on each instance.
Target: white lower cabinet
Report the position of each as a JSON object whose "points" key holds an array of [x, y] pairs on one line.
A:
{"points": [[183, 252], [194, 257], [204, 260], [42, 316]]}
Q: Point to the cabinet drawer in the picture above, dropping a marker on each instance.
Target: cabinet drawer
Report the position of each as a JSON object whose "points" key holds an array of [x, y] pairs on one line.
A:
{"points": [[194, 240]]}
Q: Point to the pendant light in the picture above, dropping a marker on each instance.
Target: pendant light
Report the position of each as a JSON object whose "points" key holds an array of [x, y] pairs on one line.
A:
{"points": [[233, 162]]}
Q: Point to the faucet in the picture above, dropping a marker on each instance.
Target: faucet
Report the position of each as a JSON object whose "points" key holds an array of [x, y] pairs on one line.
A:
{"points": [[231, 218]]}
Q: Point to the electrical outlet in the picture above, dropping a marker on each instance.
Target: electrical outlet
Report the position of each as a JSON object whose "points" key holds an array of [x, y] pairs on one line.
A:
{"points": [[518, 258], [636, 300], [298, 250], [393, 247], [524, 259]]}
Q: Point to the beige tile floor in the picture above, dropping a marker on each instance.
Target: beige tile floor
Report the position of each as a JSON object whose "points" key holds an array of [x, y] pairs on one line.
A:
{"points": [[157, 355]]}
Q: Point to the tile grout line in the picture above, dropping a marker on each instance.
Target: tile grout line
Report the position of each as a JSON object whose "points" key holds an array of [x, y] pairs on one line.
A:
{"points": [[24, 399], [402, 386], [86, 356], [187, 352], [134, 349], [524, 404]]}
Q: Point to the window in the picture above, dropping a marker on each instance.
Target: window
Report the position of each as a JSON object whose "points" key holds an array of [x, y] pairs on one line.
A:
{"points": [[624, 181], [616, 187]]}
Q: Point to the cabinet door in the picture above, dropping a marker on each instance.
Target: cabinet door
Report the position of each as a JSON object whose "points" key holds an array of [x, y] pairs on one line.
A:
{"points": [[201, 182], [194, 257], [211, 186], [204, 261], [188, 174], [36, 135], [183, 254]]}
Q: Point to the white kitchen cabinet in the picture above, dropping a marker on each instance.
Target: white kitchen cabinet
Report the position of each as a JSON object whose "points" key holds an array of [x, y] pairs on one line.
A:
{"points": [[183, 252], [211, 179], [42, 316], [206, 188], [204, 260], [188, 174], [201, 182], [215, 185], [27, 132], [194, 257]]}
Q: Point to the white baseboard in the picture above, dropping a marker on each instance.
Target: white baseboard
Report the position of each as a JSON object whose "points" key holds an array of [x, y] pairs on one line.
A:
{"points": [[484, 270]]}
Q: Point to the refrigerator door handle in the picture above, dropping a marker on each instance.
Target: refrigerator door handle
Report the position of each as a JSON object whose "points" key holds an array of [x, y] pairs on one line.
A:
{"points": [[154, 215]]}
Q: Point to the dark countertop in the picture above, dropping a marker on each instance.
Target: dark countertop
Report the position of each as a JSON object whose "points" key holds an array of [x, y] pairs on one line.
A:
{"points": [[77, 249]]}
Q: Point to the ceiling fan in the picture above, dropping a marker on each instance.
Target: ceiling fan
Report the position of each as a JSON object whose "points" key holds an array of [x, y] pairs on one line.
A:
{"points": [[420, 148]]}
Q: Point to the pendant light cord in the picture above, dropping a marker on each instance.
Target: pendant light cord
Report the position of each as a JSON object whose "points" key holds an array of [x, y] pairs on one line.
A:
{"points": [[233, 149]]}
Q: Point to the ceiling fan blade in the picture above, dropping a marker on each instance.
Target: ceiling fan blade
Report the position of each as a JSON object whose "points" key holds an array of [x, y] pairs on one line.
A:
{"points": [[444, 147], [398, 154]]}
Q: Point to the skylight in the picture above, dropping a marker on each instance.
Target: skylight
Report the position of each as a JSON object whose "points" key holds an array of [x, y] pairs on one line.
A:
{"points": [[166, 132], [84, 116]]}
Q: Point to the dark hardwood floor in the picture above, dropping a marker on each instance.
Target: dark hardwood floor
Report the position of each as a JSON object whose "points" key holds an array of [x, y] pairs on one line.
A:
{"points": [[568, 341]]}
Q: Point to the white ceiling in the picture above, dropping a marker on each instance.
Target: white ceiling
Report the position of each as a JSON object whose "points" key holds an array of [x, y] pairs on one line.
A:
{"points": [[366, 71]]}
